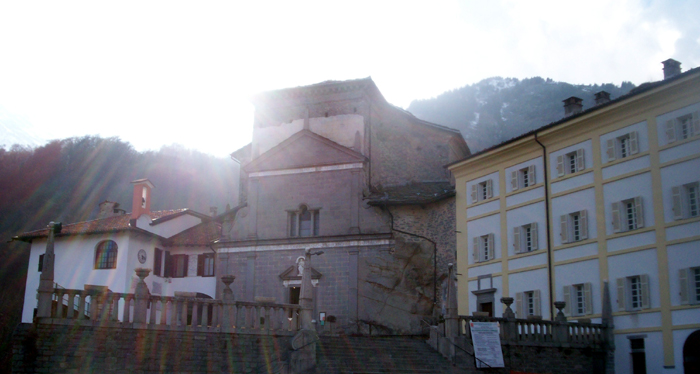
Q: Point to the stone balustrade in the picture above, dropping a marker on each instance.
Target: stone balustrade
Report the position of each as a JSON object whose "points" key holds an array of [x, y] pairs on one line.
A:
{"points": [[104, 308]]}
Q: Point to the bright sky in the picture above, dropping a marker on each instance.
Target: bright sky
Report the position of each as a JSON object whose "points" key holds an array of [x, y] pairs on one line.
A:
{"points": [[157, 73]]}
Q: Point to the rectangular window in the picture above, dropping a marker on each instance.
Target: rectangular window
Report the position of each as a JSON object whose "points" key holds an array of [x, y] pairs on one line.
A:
{"points": [[41, 263], [579, 299], [692, 192], [627, 215], [304, 222], [178, 265], [525, 238], [690, 285], [622, 146], [685, 200], [683, 127], [570, 163], [482, 191], [483, 248], [158, 262], [638, 356], [205, 265], [522, 178], [633, 293], [574, 226], [527, 303]]}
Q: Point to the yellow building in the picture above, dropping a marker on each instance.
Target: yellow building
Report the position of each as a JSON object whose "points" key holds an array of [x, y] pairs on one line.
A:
{"points": [[609, 193]]}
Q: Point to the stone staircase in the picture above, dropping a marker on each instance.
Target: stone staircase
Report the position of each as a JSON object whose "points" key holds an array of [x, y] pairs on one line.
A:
{"points": [[365, 355]]}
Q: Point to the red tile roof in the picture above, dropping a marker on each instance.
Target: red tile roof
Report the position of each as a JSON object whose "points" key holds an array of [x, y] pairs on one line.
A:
{"points": [[200, 235], [110, 224]]}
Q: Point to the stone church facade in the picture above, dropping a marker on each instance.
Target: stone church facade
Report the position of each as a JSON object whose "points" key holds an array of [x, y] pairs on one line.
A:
{"points": [[335, 168]]}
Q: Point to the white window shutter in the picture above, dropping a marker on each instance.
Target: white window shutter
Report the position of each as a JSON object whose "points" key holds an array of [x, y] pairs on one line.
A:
{"points": [[644, 285], [476, 249], [564, 226], [514, 180], [531, 175], [677, 203], [683, 275], [639, 211], [583, 224], [670, 131], [588, 298], [568, 300], [489, 189], [621, 292], [696, 123], [560, 165], [536, 301], [519, 307], [580, 160], [616, 217], [491, 247], [610, 149], [533, 235], [634, 143], [475, 193], [516, 239]]}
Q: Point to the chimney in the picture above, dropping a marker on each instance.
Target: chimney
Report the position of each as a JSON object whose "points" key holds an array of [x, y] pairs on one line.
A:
{"points": [[213, 210], [572, 105], [109, 209], [602, 97], [671, 68], [141, 203]]}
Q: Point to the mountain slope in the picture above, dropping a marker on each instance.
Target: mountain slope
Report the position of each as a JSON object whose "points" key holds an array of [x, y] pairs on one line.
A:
{"points": [[497, 109]]}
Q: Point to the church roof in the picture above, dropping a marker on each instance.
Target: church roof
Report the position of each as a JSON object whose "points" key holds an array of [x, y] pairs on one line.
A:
{"points": [[412, 194], [97, 226]]}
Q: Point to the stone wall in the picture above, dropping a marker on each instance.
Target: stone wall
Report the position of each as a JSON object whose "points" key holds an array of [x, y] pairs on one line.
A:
{"points": [[70, 349], [541, 359]]}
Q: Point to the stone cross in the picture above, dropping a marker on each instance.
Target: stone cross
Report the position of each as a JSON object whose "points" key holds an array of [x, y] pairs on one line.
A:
{"points": [[306, 300]]}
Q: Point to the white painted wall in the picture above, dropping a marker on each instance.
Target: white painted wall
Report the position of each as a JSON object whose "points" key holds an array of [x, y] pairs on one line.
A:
{"points": [[628, 188], [75, 266], [523, 197], [681, 256], [265, 138], [570, 203], [578, 273], [529, 281], [679, 151], [679, 338], [642, 132], [342, 129], [573, 182], [480, 209], [631, 241], [625, 167], [539, 171], [630, 264], [570, 253], [653, 349], [677, 175], [527, 215]]}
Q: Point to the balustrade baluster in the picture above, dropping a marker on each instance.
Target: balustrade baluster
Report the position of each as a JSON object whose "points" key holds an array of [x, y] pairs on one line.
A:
{"points": [[126, 311], [195, 312]]}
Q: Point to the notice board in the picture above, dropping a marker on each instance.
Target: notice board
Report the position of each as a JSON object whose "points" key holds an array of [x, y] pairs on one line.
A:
{"points": [[487, 344]]}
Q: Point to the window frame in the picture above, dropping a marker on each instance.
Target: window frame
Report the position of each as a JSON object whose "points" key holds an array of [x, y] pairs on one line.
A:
{"points": [[523, 178], [685, 201], [568, 226], [482, 191], [626, 293], [528, 303], [674, 128], [109, 260], [206, 265], [689, 282], [623, 146], [520, 238], [176, 260], [294, 222], [483, 248], [571, 162], [621, 219]]}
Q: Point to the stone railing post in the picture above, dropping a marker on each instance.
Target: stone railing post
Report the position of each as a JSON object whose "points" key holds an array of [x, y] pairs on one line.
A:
{"points": [[228, 300], [510, 328], [46, 281], [561, 326], [452, 317], [303, 357], [141, 296]]}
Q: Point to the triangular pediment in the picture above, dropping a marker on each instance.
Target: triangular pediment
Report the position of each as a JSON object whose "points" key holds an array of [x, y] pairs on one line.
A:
{"points": [[304, 149], [292, 273]]}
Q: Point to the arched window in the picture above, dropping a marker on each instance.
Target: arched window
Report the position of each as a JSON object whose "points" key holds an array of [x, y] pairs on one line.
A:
{"points": [[303, 222], [106, 255]]}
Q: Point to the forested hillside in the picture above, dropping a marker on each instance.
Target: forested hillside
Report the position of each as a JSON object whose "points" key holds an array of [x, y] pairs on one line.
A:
{"points": [[497, 109], [65, 181]]}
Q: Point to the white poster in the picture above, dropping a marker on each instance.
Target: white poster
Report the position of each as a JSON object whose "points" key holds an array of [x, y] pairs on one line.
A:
{"points": [[487, 344]]}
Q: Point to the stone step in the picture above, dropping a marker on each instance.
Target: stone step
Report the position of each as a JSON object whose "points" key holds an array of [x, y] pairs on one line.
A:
{"points": [[370, 355]]}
